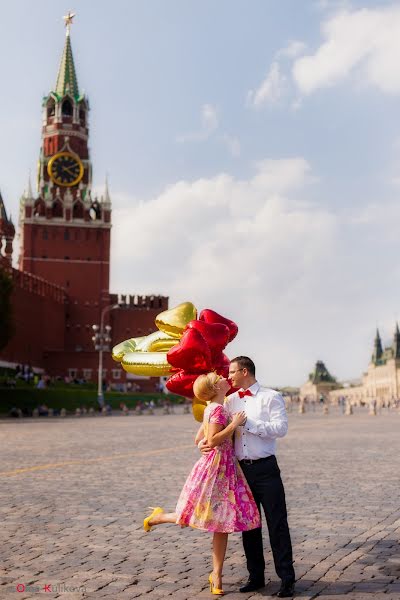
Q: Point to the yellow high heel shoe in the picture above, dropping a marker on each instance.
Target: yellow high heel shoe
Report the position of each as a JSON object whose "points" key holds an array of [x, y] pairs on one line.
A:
{"points": [[215, 591], [156, 511]]}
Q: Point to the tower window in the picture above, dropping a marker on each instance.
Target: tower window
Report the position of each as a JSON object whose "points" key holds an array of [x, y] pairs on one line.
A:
{"points": [[45, 234], [66, 234], [51, 109], [57, 208], [40, 208], [82, 117], [67, 108], [77, 211]]}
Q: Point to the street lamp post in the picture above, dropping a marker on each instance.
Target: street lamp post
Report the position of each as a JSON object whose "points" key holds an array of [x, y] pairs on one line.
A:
{"points": [[101, 339]]}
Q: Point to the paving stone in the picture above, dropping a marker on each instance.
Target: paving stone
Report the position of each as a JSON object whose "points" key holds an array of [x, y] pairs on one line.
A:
{"points": [[80, 524]]}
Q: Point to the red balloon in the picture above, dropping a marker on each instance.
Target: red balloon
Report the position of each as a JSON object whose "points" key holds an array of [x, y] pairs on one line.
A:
{"points": [[182, 383], [215, 334], [191, 354], [210, 316], [221, 364]]}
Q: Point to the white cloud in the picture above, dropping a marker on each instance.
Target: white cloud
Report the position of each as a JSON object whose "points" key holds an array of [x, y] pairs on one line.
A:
{"points": [[296, 277], [209, 129], [293, 49], [329, 5], [209, 123], [361, 43], [271, 89]]}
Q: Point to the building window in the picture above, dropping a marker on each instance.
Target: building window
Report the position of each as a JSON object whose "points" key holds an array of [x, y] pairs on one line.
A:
{"points": [[45, 234], [87, 374], [77, 211], [72, 373], [66, 234], [51, 109], [67, 108], [116, 373]]}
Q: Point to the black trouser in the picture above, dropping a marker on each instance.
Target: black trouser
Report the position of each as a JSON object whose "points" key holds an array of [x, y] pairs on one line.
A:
{"points": [[266, 485]]}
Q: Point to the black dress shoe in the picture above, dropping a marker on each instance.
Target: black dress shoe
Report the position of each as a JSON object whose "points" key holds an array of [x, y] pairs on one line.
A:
{"points": [[252, 584], [286, 590]]}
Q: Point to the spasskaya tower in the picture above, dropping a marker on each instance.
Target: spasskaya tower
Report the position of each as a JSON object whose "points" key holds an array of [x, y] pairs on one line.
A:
{"points": [[65, 233], [61, 288]]}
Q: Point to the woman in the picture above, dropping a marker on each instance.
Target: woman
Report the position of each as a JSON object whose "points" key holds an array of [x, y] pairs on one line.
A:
{"points": [[216, 496]]}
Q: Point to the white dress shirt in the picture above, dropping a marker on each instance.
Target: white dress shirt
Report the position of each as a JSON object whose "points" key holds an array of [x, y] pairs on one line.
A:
{"points": [[266, 421]]}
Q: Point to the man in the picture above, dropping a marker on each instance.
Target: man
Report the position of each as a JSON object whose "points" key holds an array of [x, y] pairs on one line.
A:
{"points": [[255, 446]]}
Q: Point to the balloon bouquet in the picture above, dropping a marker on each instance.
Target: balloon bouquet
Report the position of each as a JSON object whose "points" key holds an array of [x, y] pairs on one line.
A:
{"points": [[183, 347]]}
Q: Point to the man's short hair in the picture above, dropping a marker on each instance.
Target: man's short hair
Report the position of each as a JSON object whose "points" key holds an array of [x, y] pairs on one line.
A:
{"points": [[245, 362]]}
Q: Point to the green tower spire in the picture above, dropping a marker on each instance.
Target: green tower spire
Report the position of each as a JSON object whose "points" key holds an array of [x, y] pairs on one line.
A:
{"points": [[67, 82], [321, 374], [396, 342], [378, 351]]}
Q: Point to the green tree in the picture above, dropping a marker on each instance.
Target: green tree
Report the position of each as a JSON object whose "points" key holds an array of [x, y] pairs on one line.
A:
{"points": [[7, 326]]}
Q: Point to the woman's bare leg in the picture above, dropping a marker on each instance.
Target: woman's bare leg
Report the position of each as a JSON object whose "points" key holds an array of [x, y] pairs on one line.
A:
{"points": [[163, 518], [220, 541]]}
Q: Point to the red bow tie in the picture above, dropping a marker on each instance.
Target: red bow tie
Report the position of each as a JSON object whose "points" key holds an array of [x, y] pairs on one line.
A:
{"points": [[245, 393]]}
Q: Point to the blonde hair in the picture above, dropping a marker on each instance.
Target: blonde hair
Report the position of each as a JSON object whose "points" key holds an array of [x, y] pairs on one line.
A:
{"points": [[204, 387]]}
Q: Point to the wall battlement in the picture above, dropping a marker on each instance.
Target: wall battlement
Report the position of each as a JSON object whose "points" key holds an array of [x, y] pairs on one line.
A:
{"points": [[137, 301], [37, 285]]}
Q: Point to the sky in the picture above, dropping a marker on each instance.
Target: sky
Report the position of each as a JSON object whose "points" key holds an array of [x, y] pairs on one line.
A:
{"points": [[253, 156]]}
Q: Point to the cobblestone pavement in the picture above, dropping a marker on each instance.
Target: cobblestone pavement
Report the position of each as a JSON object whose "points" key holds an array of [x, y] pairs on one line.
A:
{"points": [[74, 491]]}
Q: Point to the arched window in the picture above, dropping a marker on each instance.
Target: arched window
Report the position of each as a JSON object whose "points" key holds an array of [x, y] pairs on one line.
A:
{"points": [[67, 109], [77, 212], [95, 211], [58, 209], [40, 208], [51, 108]]}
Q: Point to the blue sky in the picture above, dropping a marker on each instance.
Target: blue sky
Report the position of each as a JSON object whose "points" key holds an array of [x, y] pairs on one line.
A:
{"points": [[253, 153]]}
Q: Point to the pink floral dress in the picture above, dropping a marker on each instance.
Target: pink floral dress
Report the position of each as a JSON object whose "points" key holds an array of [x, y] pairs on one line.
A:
{"points": [[216, 495]]}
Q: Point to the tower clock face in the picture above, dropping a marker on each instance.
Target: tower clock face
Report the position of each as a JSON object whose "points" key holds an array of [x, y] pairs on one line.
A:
{"points": [[65, 169]]}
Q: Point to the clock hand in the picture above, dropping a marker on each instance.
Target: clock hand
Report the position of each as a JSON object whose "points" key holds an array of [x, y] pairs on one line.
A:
{"points": [[68, 170]]}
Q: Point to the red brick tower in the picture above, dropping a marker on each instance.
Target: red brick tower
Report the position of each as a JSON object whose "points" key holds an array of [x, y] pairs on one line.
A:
{"points": [[65, 233], [61, 287]]}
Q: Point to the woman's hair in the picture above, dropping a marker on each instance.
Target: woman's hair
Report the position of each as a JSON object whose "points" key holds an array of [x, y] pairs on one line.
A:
{"points": [[204, 387]]}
